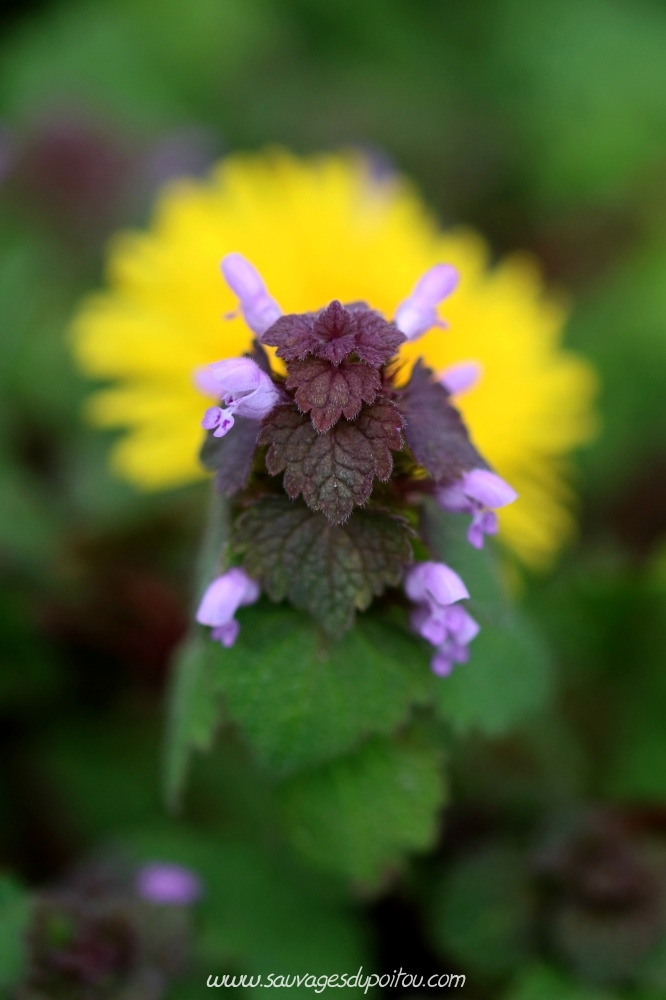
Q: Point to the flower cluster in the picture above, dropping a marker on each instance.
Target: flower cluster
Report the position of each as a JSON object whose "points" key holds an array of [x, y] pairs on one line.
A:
{"points": [[438, 617], [310, 458]]}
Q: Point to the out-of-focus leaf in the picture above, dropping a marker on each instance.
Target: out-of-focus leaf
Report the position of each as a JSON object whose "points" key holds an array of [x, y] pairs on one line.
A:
{"points": [[29, 673], [622, 329], [106, 772], [481, 911], [635, 766], [301, 698], [194, 709], [584, 78], [653, 974], [259, 911], [360, 815], [14, 916], [543, 983], [27, 525], [174, 58], [509, 674]]}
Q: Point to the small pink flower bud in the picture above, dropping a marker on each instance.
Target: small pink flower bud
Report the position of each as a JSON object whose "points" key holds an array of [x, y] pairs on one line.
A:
{"points": [[479, 493], [461, 378], [237, 376], [487, 489], [245, 389], [206, 383], [428, 582], [418, 313], [168, 884], [221, 601], [226, 634], [259, 309]]}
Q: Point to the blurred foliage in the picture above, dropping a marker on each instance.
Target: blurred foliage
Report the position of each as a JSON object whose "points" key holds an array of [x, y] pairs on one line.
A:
{"points": [[543, 879], [14, 917]]}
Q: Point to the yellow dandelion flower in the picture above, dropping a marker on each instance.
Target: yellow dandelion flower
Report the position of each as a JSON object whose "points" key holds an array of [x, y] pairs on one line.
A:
{"points": [[320, 229]]}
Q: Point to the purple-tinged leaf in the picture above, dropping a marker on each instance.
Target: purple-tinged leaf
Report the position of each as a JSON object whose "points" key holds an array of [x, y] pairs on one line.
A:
{"points": [[292, 336], [376, 340], [333, 471], [434, 430], [230, 457], [327, 392], [381, 425], [335, 333], [325, 569]]}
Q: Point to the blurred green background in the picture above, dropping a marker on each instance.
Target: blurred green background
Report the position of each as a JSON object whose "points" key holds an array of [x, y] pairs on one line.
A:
{"points": [[543, 125]]}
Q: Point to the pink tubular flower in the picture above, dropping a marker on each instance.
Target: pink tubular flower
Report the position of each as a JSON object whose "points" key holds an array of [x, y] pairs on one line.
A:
{"points": [[435, 589], [223, 597], [454, 647], [418, 313], [244, 388], [434, 582], [478, 493], [168, 884], [259, 309], [461, 377]]}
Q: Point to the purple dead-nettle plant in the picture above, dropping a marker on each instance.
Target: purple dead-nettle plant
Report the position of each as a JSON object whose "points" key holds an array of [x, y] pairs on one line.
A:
{"points": [[328, 465]]}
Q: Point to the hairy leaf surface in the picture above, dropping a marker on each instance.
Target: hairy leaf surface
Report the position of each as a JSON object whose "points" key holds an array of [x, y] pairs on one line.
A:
{"points": [[358, 816], [328, 391], [334, 334], [325, 569], [333, 471], [434, 429], [300, 698]]}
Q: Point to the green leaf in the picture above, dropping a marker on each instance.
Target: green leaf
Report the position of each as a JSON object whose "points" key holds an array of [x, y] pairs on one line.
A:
{"points": [[301, 698], [324, 569], [509, 674], [194, 710], [333, 471], [212, 553], [481, 912], [360, 815], [14, 916], [542, 983]]}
